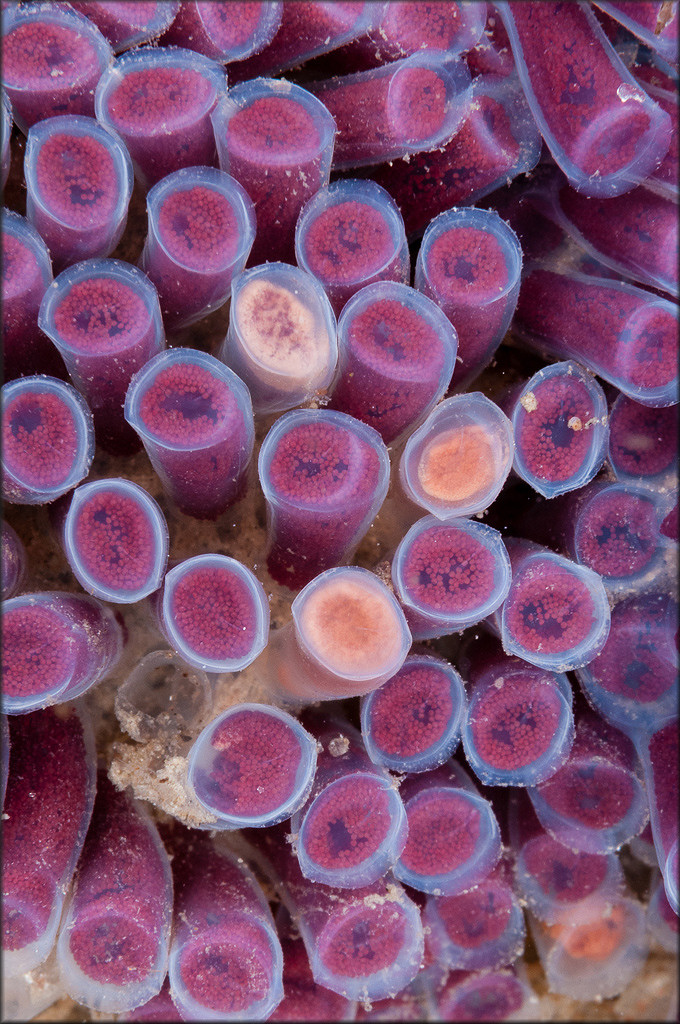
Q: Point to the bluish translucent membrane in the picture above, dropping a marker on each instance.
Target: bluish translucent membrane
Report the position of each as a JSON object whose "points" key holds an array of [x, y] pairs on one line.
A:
{"points": [[662, 921], [128, 24], [282, 337], [252, 766], [658, 752], [13, 562], [47, 439], [633, 681], [485, 995], [560, 428], [643, 444], [225, 34], [412, 722], [5, 132], [116, 540], [453, 839], [162, 696], [449, 575]]}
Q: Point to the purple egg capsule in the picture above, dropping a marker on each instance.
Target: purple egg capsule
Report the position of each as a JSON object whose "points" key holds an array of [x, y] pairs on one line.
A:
{"points": [[596, 802], [79, 182], [518, 727], [659, 755], [26, 275], [53, 58], [195, 419], [456, 463], [559, 421], [130, 23], [53, 758], [56, 646], [159, 1008], [453, 837], [470, 263], [104, 317], [449, 575], [282, 336], [482, 929], [497, 141], [347, 637], [624, 334], [643, 444], [352, 827], [349, 235], [406, 28], [396, 355], [159, 101], [412, 722], [632, 683], [222, 32], [362, 943], [116, 540], [201, 229], [652, 22], [398, 108], [324, 475], [225, 960], [253, 766], [47, 440], [603, 131], [113, 944], [556, 614], [485, 995], [276, 139], [12, 562], [662, 921], [215, 613], [551, 878]]}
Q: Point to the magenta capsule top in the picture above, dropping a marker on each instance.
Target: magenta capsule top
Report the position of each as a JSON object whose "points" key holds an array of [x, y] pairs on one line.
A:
{"points": [[282, 336], [652, 22], [79, 182], [470, 263], [116, 540], [559, 421], [556, 614], [201, 230], [406, 28], [159, 100], [225, 32], [412, 722], [47, 439], [253, 766], [602, 129], [350, 234], [397, 352], [215, 613], [53, 58], [129, 23], [456, 463], [449, 575], [643, 446]]}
